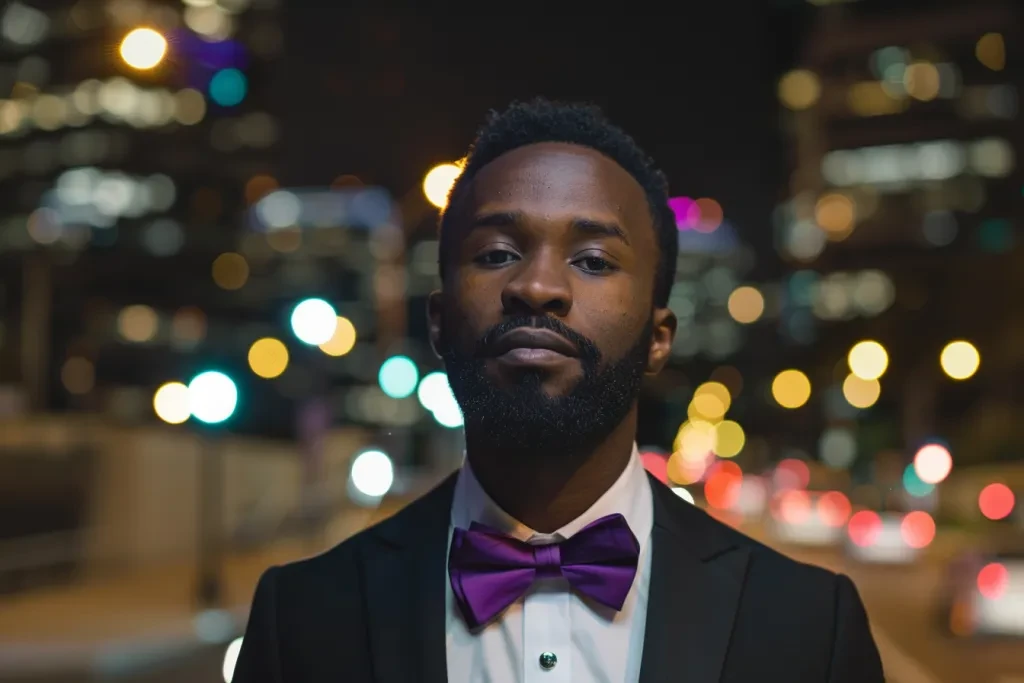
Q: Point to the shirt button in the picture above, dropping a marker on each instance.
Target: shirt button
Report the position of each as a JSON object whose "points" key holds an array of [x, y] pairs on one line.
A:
{"points": [[548, 660]]}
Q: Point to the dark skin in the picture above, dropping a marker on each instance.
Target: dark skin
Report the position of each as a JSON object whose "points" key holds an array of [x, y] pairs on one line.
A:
{"points": [[554, 229]]}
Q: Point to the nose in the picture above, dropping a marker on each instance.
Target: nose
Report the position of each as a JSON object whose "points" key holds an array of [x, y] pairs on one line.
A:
{"points": [[539, 286]]}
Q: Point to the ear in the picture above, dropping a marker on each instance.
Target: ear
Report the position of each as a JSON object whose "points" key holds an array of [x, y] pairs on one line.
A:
{"points": [[434, 321], [663, 333]]}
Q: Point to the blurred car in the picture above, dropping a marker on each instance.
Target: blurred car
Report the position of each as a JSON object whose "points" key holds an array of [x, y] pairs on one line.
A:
{"points": [[888, 537], [812, 518], [984, 595]]}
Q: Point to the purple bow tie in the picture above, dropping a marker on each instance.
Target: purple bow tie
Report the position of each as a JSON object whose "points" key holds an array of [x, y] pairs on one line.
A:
{"points": [[489, 570]]}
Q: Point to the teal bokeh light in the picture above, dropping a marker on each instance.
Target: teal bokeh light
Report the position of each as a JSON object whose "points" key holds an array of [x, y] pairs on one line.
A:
{"points": [[913, 484], [398, 377], [212, 397], [228, 87]]}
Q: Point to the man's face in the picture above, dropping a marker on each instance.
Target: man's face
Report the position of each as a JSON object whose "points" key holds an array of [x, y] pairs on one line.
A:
{"points": [[546, 323]]}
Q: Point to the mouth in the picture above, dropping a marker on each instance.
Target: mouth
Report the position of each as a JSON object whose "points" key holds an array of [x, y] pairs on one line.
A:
{"points": [[533, 347]]}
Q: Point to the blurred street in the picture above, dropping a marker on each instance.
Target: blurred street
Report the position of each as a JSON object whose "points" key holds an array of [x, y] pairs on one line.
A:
{"points": [[144, 628]]}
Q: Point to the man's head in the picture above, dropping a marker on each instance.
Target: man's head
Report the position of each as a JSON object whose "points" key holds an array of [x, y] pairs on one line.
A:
{"points": [[557, 255]]}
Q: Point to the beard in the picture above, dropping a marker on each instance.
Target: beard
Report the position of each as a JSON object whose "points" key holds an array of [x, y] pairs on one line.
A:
{"points": [[523, 417]]}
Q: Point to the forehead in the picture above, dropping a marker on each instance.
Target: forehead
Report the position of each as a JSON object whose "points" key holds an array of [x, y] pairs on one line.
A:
{"points": [[554, 181]]}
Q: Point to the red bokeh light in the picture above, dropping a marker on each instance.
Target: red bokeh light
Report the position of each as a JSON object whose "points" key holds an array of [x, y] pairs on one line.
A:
{"points": [[656, 464], [864, 527], [722, 487], [794, 506], [917, 529], [792, 474], [933, 463], [993, 580], [711, 214], [687, 212], [996, 501], [834, 508]]}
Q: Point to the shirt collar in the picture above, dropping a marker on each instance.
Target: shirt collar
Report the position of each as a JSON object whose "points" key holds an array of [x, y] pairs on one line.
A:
{"points": [[630, 495]]}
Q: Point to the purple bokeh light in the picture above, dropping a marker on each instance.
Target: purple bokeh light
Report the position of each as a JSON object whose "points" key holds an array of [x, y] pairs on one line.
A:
{"points": [[687, 212]]}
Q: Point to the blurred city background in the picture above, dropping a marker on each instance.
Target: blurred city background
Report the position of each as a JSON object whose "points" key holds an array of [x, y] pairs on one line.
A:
{"points": [[218, 229]]}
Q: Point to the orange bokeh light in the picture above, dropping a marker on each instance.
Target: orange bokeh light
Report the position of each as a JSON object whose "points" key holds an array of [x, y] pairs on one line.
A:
{"points": [[996, 501], [917, 529], [834, 508], [711, 215]]}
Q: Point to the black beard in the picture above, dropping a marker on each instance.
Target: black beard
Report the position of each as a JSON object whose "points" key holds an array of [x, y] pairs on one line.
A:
{"points": [[524, 418]]}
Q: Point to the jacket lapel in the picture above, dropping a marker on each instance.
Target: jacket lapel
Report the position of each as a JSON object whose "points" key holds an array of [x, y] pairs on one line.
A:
{"points": [[697, 574], [404, 573]]}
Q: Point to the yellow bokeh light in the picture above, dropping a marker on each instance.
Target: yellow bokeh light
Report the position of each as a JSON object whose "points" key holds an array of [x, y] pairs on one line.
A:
{"points": [[799, 89], [695, 440], [960, 359], [230, 271], [137, 323], [991, 51], [683, 470], [268, 357], [921, 79], [710, 402], [861, 393], [438, 183], [868, 359], [729, 439], [791, 389], [170, 403], [835, 214], [143, 48], [746, 304], [343, 340]]}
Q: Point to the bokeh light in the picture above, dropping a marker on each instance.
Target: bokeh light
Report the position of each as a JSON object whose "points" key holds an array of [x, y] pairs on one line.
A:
{"points": [[834, 508], [170, 403], [314, 321], [343, 340], [746, 304], [991, 51], [137, 323], [439, 182], [722, 488], [711, 215], [868, 359], [917, 529], [212, 397], [228, 87], [913, 484], [791, 389], [835, 215], [960, 360], [268, 357], [729, 439], [864, 528], [143, 48], [933, 463], [861, 393], [710, 402], [996, 501], [799, 89], [794, 506], [791, 474], [372, 473], [993, 580], [230, 271], [231, 653], [398, 376]]}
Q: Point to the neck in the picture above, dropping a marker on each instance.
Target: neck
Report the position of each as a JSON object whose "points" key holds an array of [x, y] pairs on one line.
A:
{"points": [[545, 494]]}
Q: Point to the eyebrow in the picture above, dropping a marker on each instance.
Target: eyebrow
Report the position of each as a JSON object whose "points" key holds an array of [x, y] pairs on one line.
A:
{"points": [[586, 226]]}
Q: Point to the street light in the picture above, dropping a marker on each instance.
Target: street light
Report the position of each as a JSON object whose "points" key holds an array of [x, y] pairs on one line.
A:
{"points": [[143, 48]]}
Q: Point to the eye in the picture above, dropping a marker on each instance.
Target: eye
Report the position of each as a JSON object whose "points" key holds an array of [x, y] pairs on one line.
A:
{"points": [[496, 257], [594, 265]]}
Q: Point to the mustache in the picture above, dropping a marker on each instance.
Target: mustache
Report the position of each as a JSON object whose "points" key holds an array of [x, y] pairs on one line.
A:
{"points": [[587, 348]]}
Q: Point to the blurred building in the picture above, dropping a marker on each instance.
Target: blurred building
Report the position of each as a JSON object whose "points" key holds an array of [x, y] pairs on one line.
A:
{"points": [[903, 222], [123, 158]]}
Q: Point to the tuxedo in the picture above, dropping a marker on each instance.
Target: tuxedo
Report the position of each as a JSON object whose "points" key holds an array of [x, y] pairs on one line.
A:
{"points": [[722, 608]]}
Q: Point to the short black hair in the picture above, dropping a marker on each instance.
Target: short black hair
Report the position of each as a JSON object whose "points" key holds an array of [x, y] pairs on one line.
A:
{"points": [[542, 120]]}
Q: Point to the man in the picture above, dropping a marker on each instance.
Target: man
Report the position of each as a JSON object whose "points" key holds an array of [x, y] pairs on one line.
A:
{"points": [[551, 555]]}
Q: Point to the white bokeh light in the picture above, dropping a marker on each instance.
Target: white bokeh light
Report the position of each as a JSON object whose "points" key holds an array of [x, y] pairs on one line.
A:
{"points": [[372, 473], [212, 397], [230, 659], [314, 322]]}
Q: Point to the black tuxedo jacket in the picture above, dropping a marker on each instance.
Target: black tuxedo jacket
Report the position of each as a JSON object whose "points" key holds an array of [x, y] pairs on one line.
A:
{"points": [[722, 608]]}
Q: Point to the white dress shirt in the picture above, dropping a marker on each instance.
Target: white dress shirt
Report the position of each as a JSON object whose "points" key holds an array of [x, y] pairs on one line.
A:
{"points": [[590, 642]]}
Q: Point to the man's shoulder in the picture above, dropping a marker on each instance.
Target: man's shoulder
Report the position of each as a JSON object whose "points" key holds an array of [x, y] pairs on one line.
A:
{"points": [[342, 558]]}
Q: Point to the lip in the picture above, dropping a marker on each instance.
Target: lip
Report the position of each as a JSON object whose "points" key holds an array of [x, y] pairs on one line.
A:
{"points": [[534, 344]]}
